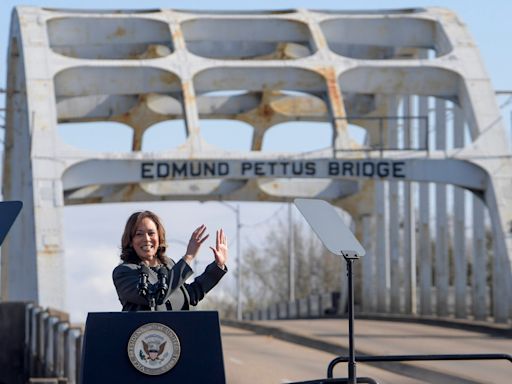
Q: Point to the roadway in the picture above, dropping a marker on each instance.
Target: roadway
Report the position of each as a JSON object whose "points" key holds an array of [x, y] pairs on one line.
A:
{"points": [[281, 351], [252, 358]]}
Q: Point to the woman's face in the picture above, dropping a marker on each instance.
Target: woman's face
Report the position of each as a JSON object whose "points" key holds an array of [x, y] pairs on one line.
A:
{"points": [[145, 242]]}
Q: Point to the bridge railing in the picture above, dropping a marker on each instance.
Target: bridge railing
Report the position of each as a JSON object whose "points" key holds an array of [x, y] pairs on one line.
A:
{"points": [[55, 346], [321, 305], [42, 344], [332, 304]]}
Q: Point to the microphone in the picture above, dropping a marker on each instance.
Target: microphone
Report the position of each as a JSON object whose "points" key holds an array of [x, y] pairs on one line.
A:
{"points": [[143, 285], [162, 285]]}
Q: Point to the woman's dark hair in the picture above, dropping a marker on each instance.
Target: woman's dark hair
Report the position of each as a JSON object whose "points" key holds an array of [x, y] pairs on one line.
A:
{"points": [[128, 254]]}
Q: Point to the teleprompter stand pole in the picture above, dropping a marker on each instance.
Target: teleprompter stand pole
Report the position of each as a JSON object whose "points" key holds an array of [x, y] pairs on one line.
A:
{"points": [[352, 377], [351, 359], [339, 240]]}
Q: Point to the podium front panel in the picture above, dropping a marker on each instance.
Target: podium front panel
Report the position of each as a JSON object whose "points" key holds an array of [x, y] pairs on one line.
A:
{"points": [[105, 357]]}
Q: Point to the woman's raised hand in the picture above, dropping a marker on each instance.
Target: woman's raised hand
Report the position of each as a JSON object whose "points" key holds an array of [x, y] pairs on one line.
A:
{"points": [[197, 238], [221, 249]]}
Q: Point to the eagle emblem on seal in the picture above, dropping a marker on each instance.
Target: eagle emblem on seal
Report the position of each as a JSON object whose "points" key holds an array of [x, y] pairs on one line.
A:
{"points": [[153, 350]]}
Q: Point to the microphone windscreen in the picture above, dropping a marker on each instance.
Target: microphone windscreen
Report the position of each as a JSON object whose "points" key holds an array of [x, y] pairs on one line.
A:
{"points": [[163, 271], [144, 269]]}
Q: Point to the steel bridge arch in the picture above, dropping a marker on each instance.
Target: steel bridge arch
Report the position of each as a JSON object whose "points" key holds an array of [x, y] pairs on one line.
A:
{"points": [[84, 73]]}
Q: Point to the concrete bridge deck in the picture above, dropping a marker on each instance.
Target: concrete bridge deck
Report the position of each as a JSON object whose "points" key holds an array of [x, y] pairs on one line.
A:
{"points": [[386, 337]]}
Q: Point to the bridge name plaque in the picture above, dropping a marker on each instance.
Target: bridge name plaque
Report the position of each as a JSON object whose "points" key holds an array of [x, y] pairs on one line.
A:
{"points": [[272, 168]]}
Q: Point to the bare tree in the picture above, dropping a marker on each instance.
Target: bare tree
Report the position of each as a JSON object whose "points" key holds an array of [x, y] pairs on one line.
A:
{"points": [[266, 269]]}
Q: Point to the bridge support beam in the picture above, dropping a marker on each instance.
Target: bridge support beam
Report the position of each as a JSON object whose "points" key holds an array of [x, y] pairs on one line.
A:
{"points": [[140, 68]]}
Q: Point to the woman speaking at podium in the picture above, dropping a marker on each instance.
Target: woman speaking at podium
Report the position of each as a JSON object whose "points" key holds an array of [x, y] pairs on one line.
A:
{"points": [[149, 280]]}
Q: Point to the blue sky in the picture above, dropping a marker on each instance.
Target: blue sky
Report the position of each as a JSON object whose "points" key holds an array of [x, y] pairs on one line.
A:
{"points": [[92, 233]]}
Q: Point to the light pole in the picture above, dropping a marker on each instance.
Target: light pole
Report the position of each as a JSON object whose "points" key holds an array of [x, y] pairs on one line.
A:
{"points": [[238, 260]]}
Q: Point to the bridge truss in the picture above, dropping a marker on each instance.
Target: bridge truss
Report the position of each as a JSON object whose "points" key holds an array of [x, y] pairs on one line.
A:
{"points": [[413, 79]]}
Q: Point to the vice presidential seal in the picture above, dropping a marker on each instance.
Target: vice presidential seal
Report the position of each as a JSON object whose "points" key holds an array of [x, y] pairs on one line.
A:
{"points": [[154, 349]]}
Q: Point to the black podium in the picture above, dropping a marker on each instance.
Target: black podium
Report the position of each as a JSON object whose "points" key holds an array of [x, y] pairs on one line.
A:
{"points": [[152, 347]]}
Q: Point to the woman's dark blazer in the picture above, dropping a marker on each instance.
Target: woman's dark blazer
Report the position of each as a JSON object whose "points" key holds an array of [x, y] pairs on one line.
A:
{"points": [[179, 295]]}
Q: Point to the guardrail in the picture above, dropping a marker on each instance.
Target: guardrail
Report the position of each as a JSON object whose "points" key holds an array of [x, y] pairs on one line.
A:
{"points": [[55, 347], [326, 304], [51, 347]]}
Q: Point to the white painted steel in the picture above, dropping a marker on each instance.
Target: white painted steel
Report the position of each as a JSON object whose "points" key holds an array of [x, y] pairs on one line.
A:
{"points": [[424, 251], [395, 267], [459, 227], [410, 252], [299, 65], [381, 248], [442, 267], [479, 295], [368, 270]]}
